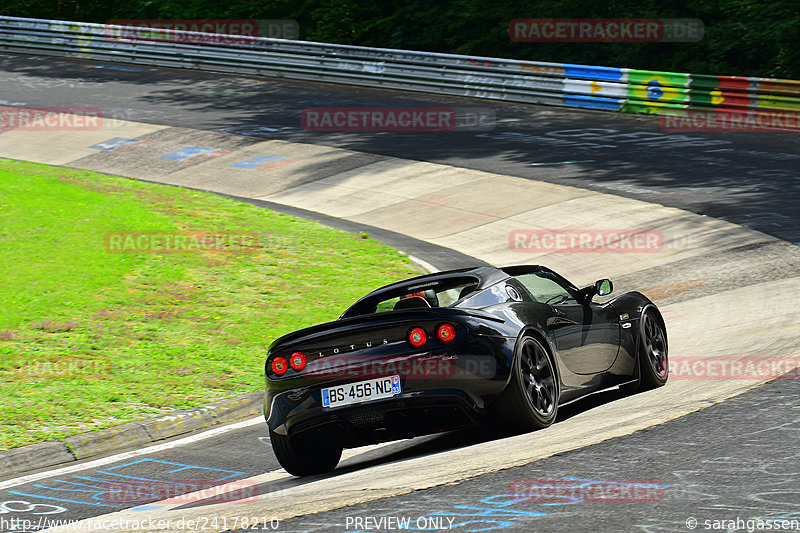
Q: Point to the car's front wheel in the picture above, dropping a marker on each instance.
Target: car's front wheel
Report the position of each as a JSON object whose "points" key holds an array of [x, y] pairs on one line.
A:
{"points": [[531, 399], [304, 461]]}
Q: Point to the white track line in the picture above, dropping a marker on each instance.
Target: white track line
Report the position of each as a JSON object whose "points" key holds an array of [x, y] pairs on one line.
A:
{"points": [[424, 264]]}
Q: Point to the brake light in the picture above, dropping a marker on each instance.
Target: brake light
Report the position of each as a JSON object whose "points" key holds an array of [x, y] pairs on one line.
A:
{"points": [[298, 361], [446, 332], [417, 337], [280, 365]]}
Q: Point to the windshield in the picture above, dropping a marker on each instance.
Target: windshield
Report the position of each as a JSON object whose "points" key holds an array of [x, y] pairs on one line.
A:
{"points": [[547, 287]]}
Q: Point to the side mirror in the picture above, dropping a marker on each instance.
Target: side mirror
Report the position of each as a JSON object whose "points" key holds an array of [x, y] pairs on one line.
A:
{"points": [[601, 287]]}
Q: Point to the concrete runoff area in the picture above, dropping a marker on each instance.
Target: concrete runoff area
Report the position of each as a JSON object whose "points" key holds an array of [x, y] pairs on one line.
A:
{"points": [[731, 315], [64, 147]]}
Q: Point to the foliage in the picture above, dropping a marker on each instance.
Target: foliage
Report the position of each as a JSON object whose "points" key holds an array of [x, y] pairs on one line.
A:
{"points": [[742, 37]]}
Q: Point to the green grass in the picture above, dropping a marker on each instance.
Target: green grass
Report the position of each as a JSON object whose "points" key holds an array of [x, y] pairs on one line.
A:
{"points": [[90, 339]]}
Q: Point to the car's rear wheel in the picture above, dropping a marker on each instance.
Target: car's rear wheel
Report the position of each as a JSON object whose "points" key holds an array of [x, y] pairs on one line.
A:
{"points": [[304, 461], [531, 399], [653, 357]]}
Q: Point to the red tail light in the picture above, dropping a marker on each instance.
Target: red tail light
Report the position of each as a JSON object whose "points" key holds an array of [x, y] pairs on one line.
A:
{"points": [[417, 337], [280, 365], [446, 332], [298, 361]]}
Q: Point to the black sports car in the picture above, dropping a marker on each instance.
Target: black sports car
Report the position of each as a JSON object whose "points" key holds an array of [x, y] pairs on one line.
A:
{"points": [[444, 350]]}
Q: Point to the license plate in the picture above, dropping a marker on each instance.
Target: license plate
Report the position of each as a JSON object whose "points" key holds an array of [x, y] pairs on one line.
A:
{"points": [[362, 391]]}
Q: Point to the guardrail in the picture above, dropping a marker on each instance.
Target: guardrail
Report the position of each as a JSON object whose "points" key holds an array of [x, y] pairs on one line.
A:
{"points": [[605, 88]]}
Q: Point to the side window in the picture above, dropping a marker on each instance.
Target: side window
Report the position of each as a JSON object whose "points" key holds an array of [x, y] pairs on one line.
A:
{"points": [[544, 288]]}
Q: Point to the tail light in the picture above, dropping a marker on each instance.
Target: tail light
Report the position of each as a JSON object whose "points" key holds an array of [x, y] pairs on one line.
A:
{"points": [[446, 332], [280, 365], [417, 337], [298, 361]]}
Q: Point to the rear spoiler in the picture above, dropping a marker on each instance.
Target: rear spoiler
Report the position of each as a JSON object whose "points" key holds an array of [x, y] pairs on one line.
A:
{"points": [[344, 325]]}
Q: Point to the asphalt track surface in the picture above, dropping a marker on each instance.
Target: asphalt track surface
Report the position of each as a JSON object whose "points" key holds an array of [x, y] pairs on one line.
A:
{"points": [[735, 459], [657, 480]]}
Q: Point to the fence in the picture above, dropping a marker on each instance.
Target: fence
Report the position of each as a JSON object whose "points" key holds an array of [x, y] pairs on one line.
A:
{"points": [[604, 88]]}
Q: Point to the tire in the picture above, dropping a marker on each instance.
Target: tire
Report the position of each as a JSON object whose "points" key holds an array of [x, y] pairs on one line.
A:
{"points": [[302, 462], [531, 399], [653, 352]]}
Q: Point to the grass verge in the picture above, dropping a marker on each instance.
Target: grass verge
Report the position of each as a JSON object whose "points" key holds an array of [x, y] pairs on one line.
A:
{"points": [[94, 334]]}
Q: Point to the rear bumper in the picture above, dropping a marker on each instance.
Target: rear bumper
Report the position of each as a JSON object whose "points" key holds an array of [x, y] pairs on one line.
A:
{"points": [[300, 415]]}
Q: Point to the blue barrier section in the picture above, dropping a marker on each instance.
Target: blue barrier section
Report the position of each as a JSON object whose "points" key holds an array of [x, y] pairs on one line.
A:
{"points": [[588, 72]]}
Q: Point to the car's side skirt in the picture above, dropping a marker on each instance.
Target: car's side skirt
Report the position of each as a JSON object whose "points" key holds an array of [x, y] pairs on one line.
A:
{"points": [[599, 391]]}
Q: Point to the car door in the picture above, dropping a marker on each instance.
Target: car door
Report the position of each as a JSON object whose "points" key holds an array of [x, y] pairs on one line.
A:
{"points": [[586, 335]]}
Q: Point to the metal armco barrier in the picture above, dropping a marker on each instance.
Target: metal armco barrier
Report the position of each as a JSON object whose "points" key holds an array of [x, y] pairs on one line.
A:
{"points": [[605, 88]]}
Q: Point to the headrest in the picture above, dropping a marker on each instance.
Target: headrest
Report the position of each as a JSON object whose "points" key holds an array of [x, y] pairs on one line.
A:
{"points": [[466, 290]]}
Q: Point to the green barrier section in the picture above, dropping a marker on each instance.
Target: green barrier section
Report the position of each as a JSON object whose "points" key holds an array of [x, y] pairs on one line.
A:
{"points": [[671, 79], [721, 99], [729, 92], [651, 90], [666, 108], [786, 103]]}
